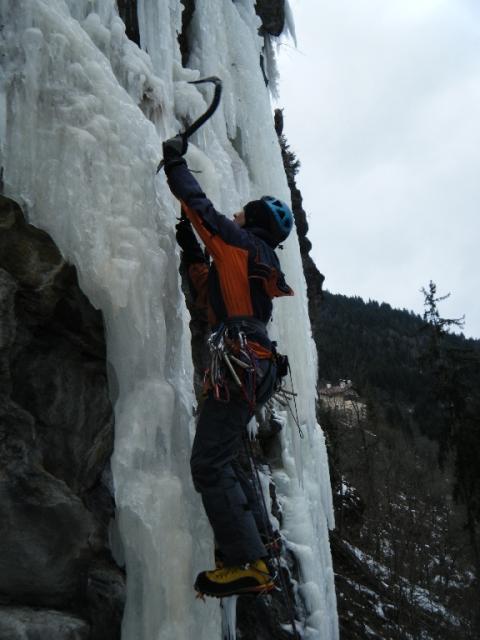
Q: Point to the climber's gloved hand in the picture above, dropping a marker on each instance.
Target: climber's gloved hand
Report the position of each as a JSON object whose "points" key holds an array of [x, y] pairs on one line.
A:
{"points": [[184, 235], [192, 251], [173, 150]]}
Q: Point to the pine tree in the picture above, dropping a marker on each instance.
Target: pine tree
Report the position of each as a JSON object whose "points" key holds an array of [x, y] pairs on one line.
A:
{"points": [[455, 374]]}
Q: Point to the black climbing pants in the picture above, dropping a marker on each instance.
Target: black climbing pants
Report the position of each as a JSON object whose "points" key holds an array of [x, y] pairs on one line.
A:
{"points": [[228, 497]]}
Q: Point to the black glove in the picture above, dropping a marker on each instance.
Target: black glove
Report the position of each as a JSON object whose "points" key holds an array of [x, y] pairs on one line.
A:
{"points": [[174, 149], [192, 251]]}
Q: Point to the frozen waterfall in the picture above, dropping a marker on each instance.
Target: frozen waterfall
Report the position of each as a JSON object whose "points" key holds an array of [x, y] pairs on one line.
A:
{"points": [[83, 112]]}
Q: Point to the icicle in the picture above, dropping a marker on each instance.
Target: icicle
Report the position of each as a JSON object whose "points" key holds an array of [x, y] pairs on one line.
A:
{"points": [[229, 617], [289, 28], [87, 111]]}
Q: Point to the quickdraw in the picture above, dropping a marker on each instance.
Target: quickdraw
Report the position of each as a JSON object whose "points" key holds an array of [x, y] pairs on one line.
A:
{"points": [[226, 353], [285, 397]]}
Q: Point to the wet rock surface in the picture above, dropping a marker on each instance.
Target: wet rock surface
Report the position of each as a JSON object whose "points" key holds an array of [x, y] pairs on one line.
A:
{"points": [[129, 14], [313, 277], [272, 15], [22, 623], [57, 577], [183, 39]]}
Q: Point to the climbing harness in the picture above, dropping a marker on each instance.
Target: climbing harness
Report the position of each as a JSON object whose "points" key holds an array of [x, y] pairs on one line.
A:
{"points": [[229, 351], [189, 131]]}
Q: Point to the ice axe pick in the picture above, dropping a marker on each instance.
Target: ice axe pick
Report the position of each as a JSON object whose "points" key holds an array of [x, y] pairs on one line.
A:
{"points": [[189, 131]]}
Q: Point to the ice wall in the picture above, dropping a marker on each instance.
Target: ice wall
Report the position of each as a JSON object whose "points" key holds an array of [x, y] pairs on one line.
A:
{"points": [[82, 115]]}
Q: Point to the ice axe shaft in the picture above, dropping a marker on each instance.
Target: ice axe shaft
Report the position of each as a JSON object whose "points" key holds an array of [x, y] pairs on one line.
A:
{"points": [[189, 131], [211, 109]]}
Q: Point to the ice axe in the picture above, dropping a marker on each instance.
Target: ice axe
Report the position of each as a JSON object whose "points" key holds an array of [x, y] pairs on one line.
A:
{"points": [[189, 131]]}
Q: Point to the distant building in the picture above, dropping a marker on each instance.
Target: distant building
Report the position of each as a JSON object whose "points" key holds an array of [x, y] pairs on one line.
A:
{"points": [[343, 389]]}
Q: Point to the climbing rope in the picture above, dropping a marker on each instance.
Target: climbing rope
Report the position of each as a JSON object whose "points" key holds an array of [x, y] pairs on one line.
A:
{"points": [[285, 397], [274, 548], [226, 352]]}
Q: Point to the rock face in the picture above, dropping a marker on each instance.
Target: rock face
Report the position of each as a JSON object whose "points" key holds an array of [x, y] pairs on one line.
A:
{"points": [[272, 14], [56, 436], [31, 624], [183, 41], [128, 13], [313, 277]]}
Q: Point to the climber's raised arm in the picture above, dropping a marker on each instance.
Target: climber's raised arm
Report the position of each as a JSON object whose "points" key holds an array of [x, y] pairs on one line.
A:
{"points": [[208, 222]]}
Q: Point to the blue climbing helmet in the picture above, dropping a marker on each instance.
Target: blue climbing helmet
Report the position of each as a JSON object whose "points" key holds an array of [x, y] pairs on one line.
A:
{"points": [[282, 215], [272, 215]]}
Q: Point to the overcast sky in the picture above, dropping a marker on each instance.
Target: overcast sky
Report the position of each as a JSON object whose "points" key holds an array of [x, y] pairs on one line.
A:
{"points": [[382, 106]]}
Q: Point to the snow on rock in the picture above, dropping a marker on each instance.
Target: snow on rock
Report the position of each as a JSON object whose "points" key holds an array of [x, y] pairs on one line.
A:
{"points": [[82, 114]]}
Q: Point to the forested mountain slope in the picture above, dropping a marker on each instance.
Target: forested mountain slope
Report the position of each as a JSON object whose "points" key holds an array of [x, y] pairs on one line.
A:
{"points": [[403, 435], [399, 403], [384, 351]]}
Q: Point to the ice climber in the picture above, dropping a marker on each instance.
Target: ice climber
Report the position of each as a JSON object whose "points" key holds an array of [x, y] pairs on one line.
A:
{"points": [[238, 285]]}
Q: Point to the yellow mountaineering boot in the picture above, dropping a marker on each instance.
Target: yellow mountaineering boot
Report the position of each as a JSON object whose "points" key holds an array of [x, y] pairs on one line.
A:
{"points": [[253, 578]]}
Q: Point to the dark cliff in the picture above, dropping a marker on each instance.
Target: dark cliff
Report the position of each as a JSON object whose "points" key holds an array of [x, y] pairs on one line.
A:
{"points": [[56, 438]]}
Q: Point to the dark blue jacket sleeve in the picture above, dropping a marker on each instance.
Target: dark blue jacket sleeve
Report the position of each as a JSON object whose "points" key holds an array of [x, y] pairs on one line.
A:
{"points": [[184, 186]]}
